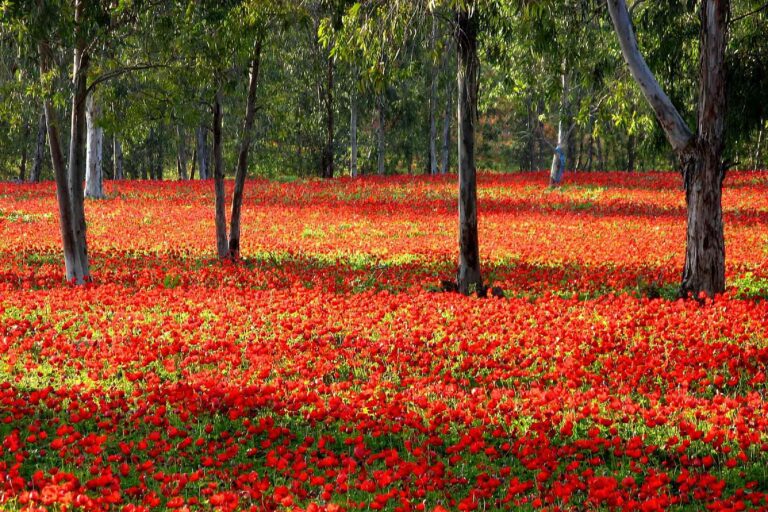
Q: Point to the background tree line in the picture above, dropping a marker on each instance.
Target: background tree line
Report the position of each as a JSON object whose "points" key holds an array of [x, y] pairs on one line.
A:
{"points": [[546, 65]]}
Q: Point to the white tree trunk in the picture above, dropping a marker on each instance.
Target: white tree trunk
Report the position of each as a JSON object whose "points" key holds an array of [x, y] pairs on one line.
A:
{"points": [[37, 164], [432, 167], [94, 150], [559, 158], [202, 151]]}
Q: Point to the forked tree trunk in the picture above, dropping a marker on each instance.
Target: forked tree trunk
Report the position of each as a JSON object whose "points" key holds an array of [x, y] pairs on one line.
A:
{"points": [[242, 159], [37, 163], [468, 276], [218, 178], [700, 155], [94, 177], [76, 172]]}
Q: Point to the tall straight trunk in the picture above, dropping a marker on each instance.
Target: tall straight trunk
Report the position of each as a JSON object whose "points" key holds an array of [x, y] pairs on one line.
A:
{"points": [[24, 151], [194, 164], [117, 158], [37, 163], [445, 157], [758, 161], [181, 152], [158, 151], [631, 151], [559, 158], [380, 146], [353, 129], [218, 179], [76, 171], [468, 275], [94, 177], [242, 158], [700, 155], [202, 151], [431, 163], [328, 153]]}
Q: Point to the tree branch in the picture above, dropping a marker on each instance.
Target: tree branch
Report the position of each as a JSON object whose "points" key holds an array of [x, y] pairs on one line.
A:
{"points": [[119, 72], [762, 8]]}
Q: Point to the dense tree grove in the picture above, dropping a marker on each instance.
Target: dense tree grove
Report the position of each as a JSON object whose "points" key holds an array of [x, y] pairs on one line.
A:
{"points": [[197, 90]]}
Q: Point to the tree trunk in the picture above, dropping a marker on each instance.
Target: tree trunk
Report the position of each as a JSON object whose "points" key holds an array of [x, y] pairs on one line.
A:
{"points": [[181, 152], [445, 158], [431, 167], [242, 160], [76, 171], [703, 174], [380, 146], [94, 150], [66, 222], [158, 150], [468, 275], [117, 158], [24, 151], [631, 151], [218, 178], [758, 161], [202, 151], [37, 164], [700, 156], [353, 129], [194, 164], [559, 158], [328, 153]]}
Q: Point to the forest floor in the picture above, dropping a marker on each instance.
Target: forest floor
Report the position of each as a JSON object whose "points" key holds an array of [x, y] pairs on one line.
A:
{"points": [[327, 372]]}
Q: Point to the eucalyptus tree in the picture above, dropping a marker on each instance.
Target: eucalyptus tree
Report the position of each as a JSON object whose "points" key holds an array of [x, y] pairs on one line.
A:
{"points": [[700, 154]]}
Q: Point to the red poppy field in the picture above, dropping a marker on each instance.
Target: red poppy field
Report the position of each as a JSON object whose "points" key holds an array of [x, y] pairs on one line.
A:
{"points": [[327, 372]]}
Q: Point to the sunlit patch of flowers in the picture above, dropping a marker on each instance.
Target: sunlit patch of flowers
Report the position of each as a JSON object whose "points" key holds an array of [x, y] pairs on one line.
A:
{"points": [[324, 372]]}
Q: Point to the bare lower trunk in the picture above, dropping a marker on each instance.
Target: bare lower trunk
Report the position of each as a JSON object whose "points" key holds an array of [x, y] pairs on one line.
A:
{"points": [[202, 151], [703, 174], [37, 164], [94, 150], [242, 160], [758, 161], [445, 157], [431, 164], [24, 151], [631, 151], [194, 164], [353, 133], [328, 153], [559, 158], [468, 275], [218, 177], [380, 137], [76, 172], [117, 158], [181, 152]]}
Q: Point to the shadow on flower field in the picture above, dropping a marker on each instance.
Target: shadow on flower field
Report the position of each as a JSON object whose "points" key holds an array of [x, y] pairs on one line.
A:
{"points": [[324, 373]]}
